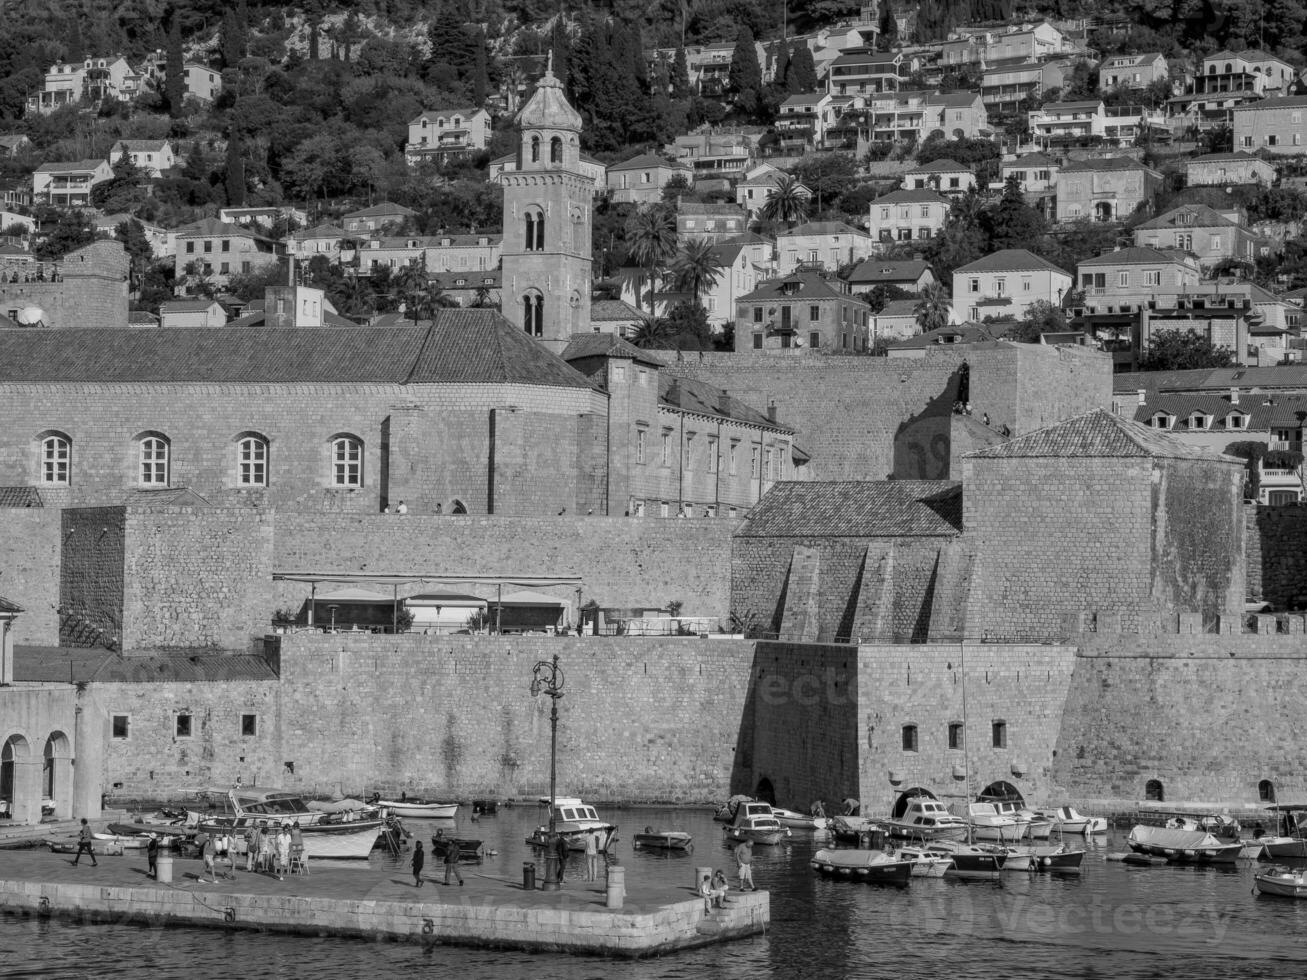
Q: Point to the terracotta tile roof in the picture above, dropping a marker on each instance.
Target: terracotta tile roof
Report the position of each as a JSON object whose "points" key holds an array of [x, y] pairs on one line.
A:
{"points": [[940, 167], [1098, 434], [1260, 411], [1203, 217], [646, 160], [1133, 255], [821, 228], [9, 607], [459, 346], [798, 285], [911, 196], [1011, 260], [886, 270], [702, 398], [853, 509], [1105, 163], [613, 310], [20, 497], [583, 345], [386, 209]]}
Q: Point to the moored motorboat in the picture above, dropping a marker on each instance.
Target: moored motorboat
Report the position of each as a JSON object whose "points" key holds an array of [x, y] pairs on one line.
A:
{"points": [[347, 835], [872, 865], [726, 812], [1067, 820], [420, 809], [664, 840], [926, 819], [969, 860], [754, 822], [851, 830], [574, 821], [925, 864], [1037, 857], [987, 824], [1281, 881], [1182, 846], [1290, 837]]}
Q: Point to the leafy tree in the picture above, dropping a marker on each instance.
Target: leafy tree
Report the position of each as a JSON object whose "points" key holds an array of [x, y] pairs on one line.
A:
{"points": [[1183, 350], [687, 327], [1013, 223], [802, 75], [786, 202], [888, 38], [234, 35], [72, 231], [695, 269], [1041, 317], [122, 191], [651, 241], [782, 66], [882, 294], [932, 309], [137, 246], [251, 285], [827, 175], [480, 71]]}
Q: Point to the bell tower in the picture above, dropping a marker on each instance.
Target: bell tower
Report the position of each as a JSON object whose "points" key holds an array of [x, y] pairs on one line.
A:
{"points": [[547, 213]]}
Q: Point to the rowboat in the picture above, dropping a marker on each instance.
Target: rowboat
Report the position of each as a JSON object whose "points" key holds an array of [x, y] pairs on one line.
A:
{"points": [[469, 849], [1182, 846], [872, 866], [1285, 882], [666, 840], [421, 809], [797, 820]]}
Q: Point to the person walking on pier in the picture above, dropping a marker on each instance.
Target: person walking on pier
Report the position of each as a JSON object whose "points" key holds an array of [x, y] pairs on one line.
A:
{"points": [[152, 855], [744, 864], [451, 862], [419, 860], [253, 842], [560, 851], [84, 840]]}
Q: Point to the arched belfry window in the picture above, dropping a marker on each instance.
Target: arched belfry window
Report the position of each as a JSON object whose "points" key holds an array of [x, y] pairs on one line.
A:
{"points": [[533, 314], [556, 150], [535, 149], [534, 226]]}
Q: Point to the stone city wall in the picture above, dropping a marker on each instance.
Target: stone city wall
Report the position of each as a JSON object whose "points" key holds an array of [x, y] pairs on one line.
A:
{"points": [[1276, 551], [29, 570]]}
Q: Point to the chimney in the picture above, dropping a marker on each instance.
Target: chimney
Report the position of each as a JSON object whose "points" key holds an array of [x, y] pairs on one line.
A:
{"points": [[1143, 397], [771, 410], [1234, 396]]}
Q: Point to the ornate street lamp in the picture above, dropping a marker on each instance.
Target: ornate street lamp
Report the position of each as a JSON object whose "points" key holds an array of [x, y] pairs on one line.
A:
{"points": [[549, 680]]}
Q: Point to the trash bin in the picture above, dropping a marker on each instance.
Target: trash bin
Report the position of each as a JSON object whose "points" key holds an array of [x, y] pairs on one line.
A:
{"points": [[702, 879], [616, 886], [529, 876], [163, 864]]}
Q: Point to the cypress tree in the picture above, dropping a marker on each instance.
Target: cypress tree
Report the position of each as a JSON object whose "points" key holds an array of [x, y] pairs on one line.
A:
{"points": [[745, 74], [889, 29], [229, 49], [681, 76], [560, 48], [782, 67], [802, 76], [175, 69], [480, 71], [235, 175]]}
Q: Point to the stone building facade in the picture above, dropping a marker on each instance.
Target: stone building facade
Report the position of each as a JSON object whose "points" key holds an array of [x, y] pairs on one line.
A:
{"points": [[88, 287]]}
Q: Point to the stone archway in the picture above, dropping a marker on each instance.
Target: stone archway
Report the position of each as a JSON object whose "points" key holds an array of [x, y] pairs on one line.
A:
{"points": [[20, 781], [57, 775]]}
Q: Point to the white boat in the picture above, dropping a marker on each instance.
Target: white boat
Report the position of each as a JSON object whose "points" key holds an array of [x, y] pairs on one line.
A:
{"points": [[420, 809], [1188, 846], [988, 824], [325, 835], [574, 821], [1285, 882], [873, 866], [1036, 825], [926, 819], [755, 822], [1290, 837], [797, 820], [1067, 820], [925, 864]]}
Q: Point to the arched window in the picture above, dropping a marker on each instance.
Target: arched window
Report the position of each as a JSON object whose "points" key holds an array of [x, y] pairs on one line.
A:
{"points": [[346, 461], [535, 149], [1266, 791], [56, 459], [458, 508], [1153, 791], [154, 460], [533, 223], [556, 150], [533, 314], [252, 460]]}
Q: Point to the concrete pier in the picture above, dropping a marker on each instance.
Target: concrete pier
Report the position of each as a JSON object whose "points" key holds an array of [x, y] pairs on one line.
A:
{"points": [[372, 903]]}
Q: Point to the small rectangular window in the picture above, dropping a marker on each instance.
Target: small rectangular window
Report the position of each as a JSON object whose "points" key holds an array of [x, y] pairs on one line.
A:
{"points": [[955, 735], [249, 726], [712, 455], [1000, 734], [757, 341], [757, 314], [909, 738], [814, 339], [183, 725], [122, 725], [814, 313]]}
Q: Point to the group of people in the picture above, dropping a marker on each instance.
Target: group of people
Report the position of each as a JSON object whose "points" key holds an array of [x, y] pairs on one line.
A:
{"points": [[438, 843], [273, 848], [400, 508], [715, 888]]}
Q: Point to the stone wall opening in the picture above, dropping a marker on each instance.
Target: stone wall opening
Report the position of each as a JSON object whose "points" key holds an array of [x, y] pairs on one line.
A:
{"points": [[1154, 791], [15, 790], [57, 774]]}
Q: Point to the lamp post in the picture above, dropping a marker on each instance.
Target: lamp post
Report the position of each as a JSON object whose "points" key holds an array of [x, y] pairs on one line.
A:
{"points": [[548, 679]]}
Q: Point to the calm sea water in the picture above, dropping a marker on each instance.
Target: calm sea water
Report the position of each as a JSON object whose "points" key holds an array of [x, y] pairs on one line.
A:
{"points": [[1111, 921]]}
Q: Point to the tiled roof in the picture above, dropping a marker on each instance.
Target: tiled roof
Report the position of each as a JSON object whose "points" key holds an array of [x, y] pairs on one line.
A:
{"points": [[1261, 411], [1071, 106], [1106, 163], [911, 196], [809, 285], [386, 209], [613, 310], [886, 270], [20, 497], [459, 346], [850, 509], [9, 607], [71, 167], [583, 345], [188, 305], [1203, 217], [1134, 255], [1288, 102], [702, 398], [940, 167], [1278, 378], [646, 160], [899, 307], [166, 497], [71, 665], [1033, 160], [954, 100], [820, 228], [462, 110], [213, 228], [143, 146], [1011, 260], [319, 231], [1097, 434], [1239, 156], [966, 333]]}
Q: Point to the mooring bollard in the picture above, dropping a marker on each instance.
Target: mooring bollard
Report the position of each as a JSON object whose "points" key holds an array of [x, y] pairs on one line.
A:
{"points": [[616, 886], [163, 868], [529, 876]]}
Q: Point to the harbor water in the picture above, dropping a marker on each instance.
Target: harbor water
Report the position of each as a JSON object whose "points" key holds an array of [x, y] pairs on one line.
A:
{"points": [[1112, 920]]}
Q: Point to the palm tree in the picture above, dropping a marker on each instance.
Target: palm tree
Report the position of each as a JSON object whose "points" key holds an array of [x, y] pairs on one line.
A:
{"points": [[695, 269], [651, 241], [932, 307], [788, 202], [411, 285], [653, 332]]}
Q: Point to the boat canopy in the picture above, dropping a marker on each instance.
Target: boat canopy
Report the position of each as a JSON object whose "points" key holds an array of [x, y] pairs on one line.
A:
{"points": [[901, 804]]}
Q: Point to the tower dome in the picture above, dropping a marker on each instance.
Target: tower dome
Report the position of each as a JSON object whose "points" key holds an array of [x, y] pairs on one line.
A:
{"points": [[548, 107]]}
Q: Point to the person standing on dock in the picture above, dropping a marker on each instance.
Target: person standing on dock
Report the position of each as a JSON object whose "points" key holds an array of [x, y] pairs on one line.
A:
{"points": [[592, 857], [84, 839], [152, 855], [209, 852], [744, 865], [451, 862], [419, 860], [253, 842], [283, 852], [560, 851]]}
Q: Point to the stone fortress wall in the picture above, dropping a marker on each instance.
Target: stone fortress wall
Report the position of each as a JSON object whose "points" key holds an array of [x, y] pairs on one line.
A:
{"points": [[92, 288]]}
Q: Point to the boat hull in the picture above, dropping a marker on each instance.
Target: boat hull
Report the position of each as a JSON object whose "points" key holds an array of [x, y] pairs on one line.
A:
{"points": [[672, 840], [768, 837], [419, 810], [872, 867], [1285, 847], [1285, 884], [575, 839], [346, 840], [902, 831], [799, 821], [1182, 846], [999, 832]]}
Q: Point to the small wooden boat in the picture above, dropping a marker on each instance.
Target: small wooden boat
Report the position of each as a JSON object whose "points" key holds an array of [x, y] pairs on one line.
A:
{"points": [[666, 840], [1058, 858], [797, 820], [1281, 881], [853, 830], [420, 809], [1182, 846], [872, 866]]}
